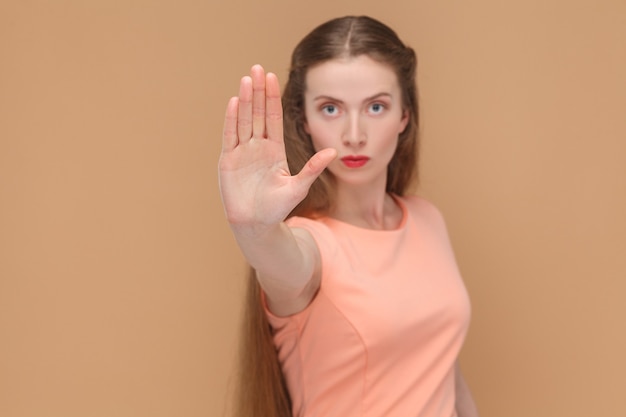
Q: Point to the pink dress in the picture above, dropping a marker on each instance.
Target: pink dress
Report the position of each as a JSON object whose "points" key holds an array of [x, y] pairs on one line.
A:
{"points": [[381, 337]]}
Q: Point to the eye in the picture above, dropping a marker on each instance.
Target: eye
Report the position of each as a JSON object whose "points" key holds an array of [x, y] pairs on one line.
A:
{"points": [[376, 108], [330, 109]]}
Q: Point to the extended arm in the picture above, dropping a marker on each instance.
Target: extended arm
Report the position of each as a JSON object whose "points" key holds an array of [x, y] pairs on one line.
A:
{"points": [[258, 192]]}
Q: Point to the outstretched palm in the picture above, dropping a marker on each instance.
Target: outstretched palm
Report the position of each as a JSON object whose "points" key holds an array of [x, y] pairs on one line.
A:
{"points": [[256, 185]]}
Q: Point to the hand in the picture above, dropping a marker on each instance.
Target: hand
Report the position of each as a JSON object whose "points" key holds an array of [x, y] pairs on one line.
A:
{"points": [[255, 183]]}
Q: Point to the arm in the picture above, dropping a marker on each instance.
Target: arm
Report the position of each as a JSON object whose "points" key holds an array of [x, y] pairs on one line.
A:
{"points": [[258, 192], [465, 406]]}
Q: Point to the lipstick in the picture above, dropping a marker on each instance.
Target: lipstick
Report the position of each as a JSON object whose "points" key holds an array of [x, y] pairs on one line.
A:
{"points": [[354, 161]]}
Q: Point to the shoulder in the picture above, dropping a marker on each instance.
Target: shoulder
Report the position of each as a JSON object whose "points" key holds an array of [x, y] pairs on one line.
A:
{"points": [[304, 222], [421, 207], [426, 216], [425, 213], [321, 224], [316, 229]]}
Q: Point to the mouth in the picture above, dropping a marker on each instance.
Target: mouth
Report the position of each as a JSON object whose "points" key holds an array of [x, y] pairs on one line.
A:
{"points": [[354, 161]]}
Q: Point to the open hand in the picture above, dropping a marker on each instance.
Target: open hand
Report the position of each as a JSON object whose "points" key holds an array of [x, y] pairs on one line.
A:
{"points": [[255, 183]]}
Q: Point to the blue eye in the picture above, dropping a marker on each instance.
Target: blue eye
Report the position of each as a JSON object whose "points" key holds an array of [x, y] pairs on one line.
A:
{"points": [[377, 108], [329, 109]]}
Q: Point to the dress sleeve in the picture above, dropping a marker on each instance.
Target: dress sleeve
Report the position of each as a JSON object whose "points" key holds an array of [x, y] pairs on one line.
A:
{"points": [[326, 245]]}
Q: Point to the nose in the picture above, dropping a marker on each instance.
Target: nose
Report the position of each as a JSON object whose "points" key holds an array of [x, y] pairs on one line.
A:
{"points": [[354, 133]]}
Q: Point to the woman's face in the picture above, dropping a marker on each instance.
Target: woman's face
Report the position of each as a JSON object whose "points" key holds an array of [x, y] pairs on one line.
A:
{"points": [[355, 106]]}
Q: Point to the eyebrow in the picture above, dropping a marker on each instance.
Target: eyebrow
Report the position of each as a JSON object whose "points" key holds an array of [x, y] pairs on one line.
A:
{"points": [[374, 97]]}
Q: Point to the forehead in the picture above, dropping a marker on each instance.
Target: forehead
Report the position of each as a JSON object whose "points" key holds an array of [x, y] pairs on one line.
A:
{"points": [[352, 77]]}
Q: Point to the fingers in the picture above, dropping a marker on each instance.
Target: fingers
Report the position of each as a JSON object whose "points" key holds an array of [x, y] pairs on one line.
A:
{"points": [[274, 108], [229, 134], [258, 101], [259, 111], [244, 115], [314, 166]]}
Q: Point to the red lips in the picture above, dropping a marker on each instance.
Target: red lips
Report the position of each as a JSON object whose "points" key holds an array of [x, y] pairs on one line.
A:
{"points": [[354, 161]]}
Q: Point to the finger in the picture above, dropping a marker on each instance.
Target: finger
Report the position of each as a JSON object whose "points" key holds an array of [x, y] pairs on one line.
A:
{"points": [[315, 165], [244, 114], [258, 101], [274, 110], [229, 134]]}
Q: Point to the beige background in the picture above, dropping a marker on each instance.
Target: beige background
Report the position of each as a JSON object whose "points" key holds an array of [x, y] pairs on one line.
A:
{"points": [[120, 285]]}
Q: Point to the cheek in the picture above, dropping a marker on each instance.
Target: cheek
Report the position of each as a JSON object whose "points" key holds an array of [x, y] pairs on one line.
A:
{"points": [[392, 147], [317, 145], [390, 135], [321, 138]]}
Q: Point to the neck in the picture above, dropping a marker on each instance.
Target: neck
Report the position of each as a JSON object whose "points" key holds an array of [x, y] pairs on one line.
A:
{"points": [[366, 207]]}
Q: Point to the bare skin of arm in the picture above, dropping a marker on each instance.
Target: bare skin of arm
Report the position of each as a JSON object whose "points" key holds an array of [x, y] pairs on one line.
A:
{"points": [[258, 192]]}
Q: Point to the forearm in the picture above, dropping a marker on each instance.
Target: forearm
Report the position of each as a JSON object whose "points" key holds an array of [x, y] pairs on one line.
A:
{"points": [[283, 258], [465, 405]]}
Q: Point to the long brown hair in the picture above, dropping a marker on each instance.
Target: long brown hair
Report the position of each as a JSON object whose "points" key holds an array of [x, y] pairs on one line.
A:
{"points": [[262, 391]]}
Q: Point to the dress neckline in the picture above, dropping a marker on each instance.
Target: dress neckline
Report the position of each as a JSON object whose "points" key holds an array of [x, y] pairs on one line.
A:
{"points": [[401, 225]]}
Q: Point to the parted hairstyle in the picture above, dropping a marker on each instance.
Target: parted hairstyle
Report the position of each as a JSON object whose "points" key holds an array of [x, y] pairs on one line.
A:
{"points": [[261, 388]]}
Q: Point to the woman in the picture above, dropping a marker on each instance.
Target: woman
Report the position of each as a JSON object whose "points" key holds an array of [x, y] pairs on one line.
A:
{"points": [[355, 303]]}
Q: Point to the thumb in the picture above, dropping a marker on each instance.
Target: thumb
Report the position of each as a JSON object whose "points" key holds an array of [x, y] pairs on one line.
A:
{"points": [[315, 165]]}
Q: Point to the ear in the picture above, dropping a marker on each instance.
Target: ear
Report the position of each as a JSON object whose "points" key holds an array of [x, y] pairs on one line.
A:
{"points": [[306, 127], [404, 121]]}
